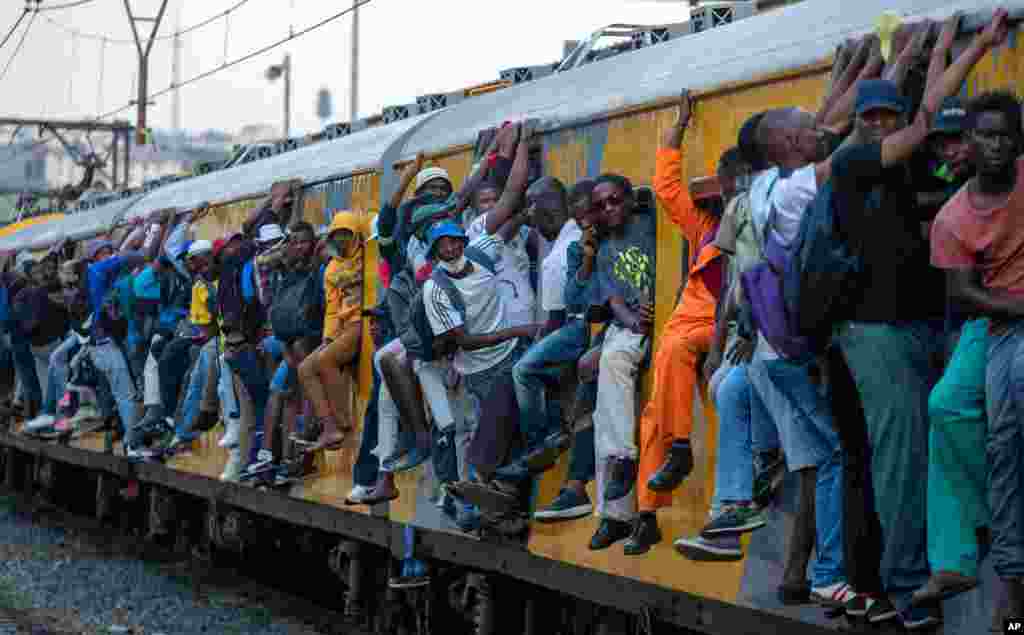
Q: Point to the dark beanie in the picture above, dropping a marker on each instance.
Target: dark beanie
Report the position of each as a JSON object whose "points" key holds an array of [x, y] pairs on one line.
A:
{"points": [[747, 143]]}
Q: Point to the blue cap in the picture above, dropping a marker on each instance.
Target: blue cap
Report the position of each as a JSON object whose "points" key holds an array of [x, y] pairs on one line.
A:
{"points": [[951, 117], [442, 229], [879, 93]]}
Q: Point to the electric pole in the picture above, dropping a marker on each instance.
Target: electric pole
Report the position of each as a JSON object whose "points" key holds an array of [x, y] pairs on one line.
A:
{"points": [[354, 89], [143, 50], [176, 75]]}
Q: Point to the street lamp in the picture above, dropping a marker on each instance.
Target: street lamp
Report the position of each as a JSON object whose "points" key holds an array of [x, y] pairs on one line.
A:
{"points": [[278, 70]]}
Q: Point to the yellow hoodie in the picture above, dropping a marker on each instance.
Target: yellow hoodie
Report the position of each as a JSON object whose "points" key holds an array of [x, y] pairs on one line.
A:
{"points": [[343, 279]]}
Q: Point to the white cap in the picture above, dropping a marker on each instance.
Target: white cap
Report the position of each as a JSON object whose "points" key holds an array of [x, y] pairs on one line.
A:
{"points": [[270, 233], [374, 231], [23, 260], [200, 248], [429, 174]]}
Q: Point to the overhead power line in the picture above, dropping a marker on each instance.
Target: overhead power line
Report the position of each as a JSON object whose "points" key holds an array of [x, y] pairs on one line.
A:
{"points": [[69, 5], [14, 28], [21, 42], [112, 40], [244, 58]]}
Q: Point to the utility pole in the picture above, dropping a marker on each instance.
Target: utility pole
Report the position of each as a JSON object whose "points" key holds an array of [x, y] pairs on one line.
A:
{"points": [[142, 101], [354, 88], [176, 75], [284, 70]]}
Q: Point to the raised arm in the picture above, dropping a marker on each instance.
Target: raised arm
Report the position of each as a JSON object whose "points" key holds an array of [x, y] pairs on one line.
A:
{"points": [[898, 147], [941, 51], [512, 195], [841, 112], [910, 53], [845, 78], [476, 177]]}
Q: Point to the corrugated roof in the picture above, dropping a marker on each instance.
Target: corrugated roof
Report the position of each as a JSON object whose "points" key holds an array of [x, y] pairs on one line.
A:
{"points": [[72, 226], [785, 39]]}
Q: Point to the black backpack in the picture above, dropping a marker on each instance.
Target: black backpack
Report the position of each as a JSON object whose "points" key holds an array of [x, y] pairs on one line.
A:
{"points": [[298, 307]]}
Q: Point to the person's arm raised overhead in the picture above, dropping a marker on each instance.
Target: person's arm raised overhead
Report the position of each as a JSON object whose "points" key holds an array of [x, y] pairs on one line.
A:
{"points": [[512, 196], [941, 51], [838, 118], [476, 177], [408, 174], [908, 55], [857, 54], [898, 147]]}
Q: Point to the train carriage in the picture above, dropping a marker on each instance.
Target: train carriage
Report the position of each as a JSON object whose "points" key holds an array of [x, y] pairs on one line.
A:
{"points": [[602, 117]]}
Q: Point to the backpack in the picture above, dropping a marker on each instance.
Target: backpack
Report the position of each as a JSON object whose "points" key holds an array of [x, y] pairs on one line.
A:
{"points": [[298, 309], [764, 285], [821, 281], [419, 324]]}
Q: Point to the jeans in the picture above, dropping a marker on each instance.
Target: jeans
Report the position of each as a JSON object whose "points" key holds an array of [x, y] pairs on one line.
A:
{"points": [[581, 458], [803, 414], [1004, 387], [194, 394], [285, 378], [248, 367], [110, 362], [57, 380], [894, 367], [25, 367], [540, 368], [957, 467], [738, 408], [364, 471], [41, 356], [173, 365]]}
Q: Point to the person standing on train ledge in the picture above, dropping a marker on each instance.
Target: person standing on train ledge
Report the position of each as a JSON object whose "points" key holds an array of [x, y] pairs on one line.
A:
{"points": [[41, 320], [977, 238], [327, 374], [467, 313], [105, 352], [579, 287], [625, 269], [895, 322]]}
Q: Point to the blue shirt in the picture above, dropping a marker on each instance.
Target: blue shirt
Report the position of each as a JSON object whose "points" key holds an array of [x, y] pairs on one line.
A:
{"points": [[101, 278]]}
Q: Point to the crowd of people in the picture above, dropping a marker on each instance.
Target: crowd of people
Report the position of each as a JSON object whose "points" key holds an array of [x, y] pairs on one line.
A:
{"points": [[852, 304]]}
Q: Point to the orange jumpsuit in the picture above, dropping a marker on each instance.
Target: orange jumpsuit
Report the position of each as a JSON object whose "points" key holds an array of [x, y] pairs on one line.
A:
{"points": [[668, 414]]}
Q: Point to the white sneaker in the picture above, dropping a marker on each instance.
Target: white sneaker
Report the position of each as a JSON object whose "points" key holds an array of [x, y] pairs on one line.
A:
{"points": [[233, 469], [138, 453], [39, 424], [835, 595], [230, 438], [358, 494]]}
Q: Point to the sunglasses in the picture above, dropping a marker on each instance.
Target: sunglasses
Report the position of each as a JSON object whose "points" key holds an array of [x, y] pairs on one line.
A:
{"points": [[614, 201]]}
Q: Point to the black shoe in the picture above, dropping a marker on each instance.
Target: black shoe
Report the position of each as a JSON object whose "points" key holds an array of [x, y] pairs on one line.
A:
{"points": [[621, 479], [609, 532], [769, 477], [674, 470], [646, 534]]}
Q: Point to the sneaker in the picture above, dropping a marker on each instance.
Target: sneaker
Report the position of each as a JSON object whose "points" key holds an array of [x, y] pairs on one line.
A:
{"points": [[724, 548], [943, 585], [230, 438], [609, 532], [646, 534], [467, 519], [568, 505], [139, 454], [233, 469], [358, 494], [919, 617], [879, 609], [735, 519], [86, 413], [621, 480], [677, 466], [834, 596], [39, 425], [409, 461]]}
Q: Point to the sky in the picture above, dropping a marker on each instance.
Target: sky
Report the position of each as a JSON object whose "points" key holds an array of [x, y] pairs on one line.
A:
{"points": [[407, 48]]}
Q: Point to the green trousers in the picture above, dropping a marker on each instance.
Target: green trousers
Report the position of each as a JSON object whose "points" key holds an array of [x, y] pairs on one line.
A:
{"points": [[957, 467]]}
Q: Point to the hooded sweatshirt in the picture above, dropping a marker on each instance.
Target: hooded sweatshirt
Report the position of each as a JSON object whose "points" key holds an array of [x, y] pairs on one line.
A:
{"points": [[343, 279]]}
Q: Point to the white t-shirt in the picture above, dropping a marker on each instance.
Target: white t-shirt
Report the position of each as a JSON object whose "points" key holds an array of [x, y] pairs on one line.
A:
{"points": [[485, 311], [790, 196], [555, 268], [513, 266]]}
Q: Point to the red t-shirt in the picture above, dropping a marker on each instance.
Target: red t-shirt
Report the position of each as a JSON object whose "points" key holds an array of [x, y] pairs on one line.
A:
{"points": [[990, 240]]}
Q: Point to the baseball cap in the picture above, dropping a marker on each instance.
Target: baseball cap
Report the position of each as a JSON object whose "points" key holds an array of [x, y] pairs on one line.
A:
{"points": [[442, 229], [269, 233], [879, 93], [429, 174], [199, 248], [96, 247], [951, 117]]}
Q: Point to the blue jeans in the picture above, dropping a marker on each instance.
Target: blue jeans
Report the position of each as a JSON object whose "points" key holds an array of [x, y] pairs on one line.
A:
{"points": [[194, 395], [253, 375], [895, 367], [111, 364], [364, 471], [804, 416], [1004, 382], [285, 378], [540, 368], [25, 366], [740, 412], [60, 363]]}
